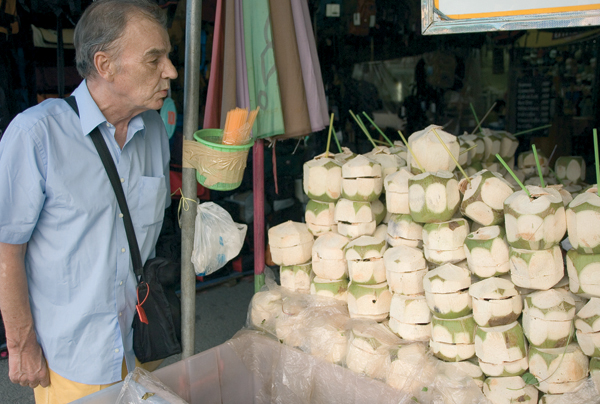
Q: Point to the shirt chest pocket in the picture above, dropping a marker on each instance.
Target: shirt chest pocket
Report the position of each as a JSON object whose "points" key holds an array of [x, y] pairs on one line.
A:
{"points": [[152, 200]]}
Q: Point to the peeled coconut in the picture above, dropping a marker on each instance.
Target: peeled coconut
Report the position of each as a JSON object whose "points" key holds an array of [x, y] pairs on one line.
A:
{"points": [[379, 211], [452, 352], [400, 149], [584, 273], [390, 162], [369, 301], [322, 179], [495, 302], [381, 232], [329, 342], [362, 179], [330, 288], [509, 390], [430, 153], [365, 260], [493, 144], [344, 156], [536, 269], [526, 162], [410, 309], [587, 323], [319, 217], [291, 243], [471, 368], [453, 331], [405, 268], [446, 290], [396, 191], [354, 218], [483, 200], [566, 196], [487, 252], [509, 144], [328, 259], [264, 308], [558, 370], [433, 196], [410, 331], [466, 142], [443, 241], [369, 348], [535, 223], [548, 318], [570, 168], [408, 370], [403, 230], [290, 324], [502, 350], [296, 278], [583, 222]]}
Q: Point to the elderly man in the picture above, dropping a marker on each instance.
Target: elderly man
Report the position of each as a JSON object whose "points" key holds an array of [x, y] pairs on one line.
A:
{"points": [[67, 288]]}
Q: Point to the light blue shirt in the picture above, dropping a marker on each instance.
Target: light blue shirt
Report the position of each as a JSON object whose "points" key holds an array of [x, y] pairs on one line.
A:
{"points": [[56, 197]]}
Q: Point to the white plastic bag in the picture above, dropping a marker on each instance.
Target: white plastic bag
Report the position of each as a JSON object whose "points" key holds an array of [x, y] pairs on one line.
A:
{"points": [[217, 238], [142, 387]]}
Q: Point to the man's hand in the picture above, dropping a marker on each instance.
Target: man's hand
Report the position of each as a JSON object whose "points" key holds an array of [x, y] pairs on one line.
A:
{"points": [[26, 362]]}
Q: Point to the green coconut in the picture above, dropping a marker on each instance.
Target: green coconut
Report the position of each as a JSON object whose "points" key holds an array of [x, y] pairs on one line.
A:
{"points": [[509, 144], [583, 222], [433, 196], [322, 179], [443, 241], [536, 269], [548, 318], [369, 301], [362, 179], [559, 370], [396, 191], [452, 352], [483, 200], [296, 278], [330, 288], [365, 260], [584, 273], [501, 344], [570, 168], [390, 162], [508, 390], [453, 331], [411, 309], [486, 251], [495, 302], [403, 230], [493, 144], [319, 217], [379, 211], [429, 152]]}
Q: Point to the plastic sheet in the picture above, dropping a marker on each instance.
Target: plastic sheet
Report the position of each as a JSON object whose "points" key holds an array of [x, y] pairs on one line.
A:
{"points": [[327, 357], [141, 387]]}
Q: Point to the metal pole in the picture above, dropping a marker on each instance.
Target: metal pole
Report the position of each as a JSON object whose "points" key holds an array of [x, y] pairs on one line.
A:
{"points": [[191, 103], [258, 171]]}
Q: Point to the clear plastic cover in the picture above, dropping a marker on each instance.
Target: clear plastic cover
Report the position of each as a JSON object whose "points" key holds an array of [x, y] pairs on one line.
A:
{"points": [[141, 387]]}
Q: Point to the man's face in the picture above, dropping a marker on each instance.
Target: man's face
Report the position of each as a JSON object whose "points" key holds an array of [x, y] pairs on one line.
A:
{"points": [[143, 67]]}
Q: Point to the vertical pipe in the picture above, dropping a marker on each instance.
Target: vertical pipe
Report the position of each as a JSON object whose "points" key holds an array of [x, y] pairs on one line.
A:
{"points": [[258, 184], [191, 103]]}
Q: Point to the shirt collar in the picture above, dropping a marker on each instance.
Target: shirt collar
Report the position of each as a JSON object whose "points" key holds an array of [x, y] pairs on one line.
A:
{"points": [[91, 116]]}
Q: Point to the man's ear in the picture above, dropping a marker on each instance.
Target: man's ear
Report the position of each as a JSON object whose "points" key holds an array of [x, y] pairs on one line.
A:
{"points": [[105, 65]]}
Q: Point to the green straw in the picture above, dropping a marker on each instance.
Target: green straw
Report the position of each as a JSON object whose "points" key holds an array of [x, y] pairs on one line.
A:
{"points": [[597, 165], [377, 127], [329, 135], [411, 152], [475, 115], [452, 156], [537, 163], [483, 119], [337, 142], [513, 175], [532, 130], [468, 150], [362, 126]]}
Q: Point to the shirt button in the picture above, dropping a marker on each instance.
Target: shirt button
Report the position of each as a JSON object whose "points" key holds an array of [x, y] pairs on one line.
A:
{"points": [[117, 350], [120, 283], [120, 215], [120, 314], [122, 179], [122, 250]]}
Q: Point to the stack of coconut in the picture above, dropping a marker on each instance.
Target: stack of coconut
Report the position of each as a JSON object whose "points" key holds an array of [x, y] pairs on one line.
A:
{"points": [[459, 282]]}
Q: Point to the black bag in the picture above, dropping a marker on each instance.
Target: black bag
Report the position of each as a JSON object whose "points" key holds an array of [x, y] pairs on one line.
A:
{"points": [[157, 323]]}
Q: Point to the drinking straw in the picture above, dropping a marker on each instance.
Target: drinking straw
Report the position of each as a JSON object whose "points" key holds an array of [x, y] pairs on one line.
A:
{"points": [[329, 135], [360, 124], [475, 115], [537, 163], [513, 175], [411, 152], [468, 150], [337, 141], [551, 155], [483, 119], [377, 127], [556, 176], [597, 165], [532, 130], [452, 156]]}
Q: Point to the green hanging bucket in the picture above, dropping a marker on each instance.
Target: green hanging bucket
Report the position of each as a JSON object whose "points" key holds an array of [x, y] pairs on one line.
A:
{"points": [[221, 167]]}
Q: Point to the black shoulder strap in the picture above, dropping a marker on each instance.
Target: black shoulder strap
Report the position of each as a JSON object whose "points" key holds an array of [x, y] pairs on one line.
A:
{"points": [[113, 176]]}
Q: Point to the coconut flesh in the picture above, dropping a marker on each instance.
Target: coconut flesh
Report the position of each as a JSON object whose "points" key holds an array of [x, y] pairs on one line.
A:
{"points": [[443, 241], [433, 196], [487, 252], [296, 278], [409, 369], [290, 243], [328, 259], [587, 322], [369, 301], [344, 156], [452, 352], [405, 268], [495, 302], [483, 199], [319, 217], [508, 390], [430, 152], [354, 218], [336, 289], [583, 222], [381, 232], [403, 230], [509, 144], [446, 291], [584, 273], [453, 331], [535, 223], [566, 196], [264, 308], [502, 350], [493, 144], [548, 318], [465, 143], [396, 191], [362, 179], [365, 260], [322, 179], [369, 350], [570, 168], [379, 211], [390, 163], [536, 269], [559, 370], [410, 317]]}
